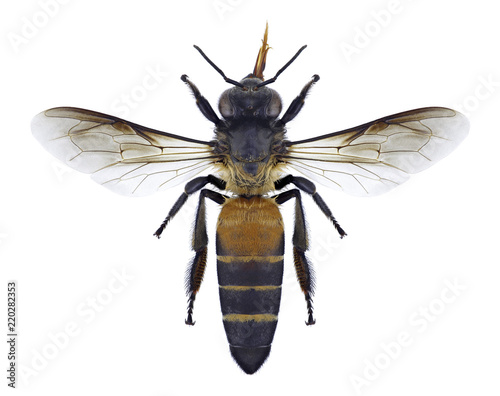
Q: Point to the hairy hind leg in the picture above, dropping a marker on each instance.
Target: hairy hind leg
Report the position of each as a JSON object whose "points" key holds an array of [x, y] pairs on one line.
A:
{"points": [[195, 271], [305, 273]]}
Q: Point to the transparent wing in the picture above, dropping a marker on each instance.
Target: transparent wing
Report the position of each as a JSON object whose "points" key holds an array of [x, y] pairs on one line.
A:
{"points": [[375, 157], [123, 156]]}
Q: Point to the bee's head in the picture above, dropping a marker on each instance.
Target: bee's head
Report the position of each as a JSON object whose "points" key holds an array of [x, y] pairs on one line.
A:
{"points": [[250, 100]]}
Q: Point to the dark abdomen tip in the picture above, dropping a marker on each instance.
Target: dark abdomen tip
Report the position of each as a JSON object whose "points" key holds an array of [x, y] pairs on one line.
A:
{"points": [[250, 359]]}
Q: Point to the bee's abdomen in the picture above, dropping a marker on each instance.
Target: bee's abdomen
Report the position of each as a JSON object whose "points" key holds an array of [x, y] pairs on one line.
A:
{"points": [[250, 248]]}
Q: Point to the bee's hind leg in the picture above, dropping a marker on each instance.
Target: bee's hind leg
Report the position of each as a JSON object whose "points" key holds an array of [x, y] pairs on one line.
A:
{"points": [[304, 270], [195, 271]]}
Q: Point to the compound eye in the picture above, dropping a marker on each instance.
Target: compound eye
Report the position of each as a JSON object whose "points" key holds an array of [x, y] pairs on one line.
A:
{"points": [[273, 109], [226, 108]]}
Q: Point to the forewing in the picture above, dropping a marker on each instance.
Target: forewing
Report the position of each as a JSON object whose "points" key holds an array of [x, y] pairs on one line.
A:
{"points": [[375, 157], [123, 156]]}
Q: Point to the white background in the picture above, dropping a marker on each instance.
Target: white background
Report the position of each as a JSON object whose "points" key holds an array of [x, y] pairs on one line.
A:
{"points": [[62, 235]]}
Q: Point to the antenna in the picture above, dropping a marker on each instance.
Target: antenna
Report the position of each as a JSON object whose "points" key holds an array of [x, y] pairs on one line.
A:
{"points": [[230, 81], [260, 64], [271, 80]]}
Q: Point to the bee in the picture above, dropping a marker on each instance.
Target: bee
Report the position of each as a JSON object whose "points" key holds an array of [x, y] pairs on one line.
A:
{"points": [[251, 159]]}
